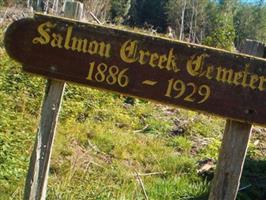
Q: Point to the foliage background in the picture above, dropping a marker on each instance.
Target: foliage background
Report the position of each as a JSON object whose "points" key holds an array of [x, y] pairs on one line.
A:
{"points": [[103, 139]]}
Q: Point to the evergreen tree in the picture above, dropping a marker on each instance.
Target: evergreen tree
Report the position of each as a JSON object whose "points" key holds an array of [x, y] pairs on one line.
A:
{"points": [[148, 12], [119, 10]]}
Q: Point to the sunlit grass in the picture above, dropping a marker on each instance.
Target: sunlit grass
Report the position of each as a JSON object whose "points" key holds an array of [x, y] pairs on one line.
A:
{"points": [[104, 146]]}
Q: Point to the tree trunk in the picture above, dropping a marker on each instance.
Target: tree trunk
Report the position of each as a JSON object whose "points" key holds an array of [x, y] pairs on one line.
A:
{"points": [[182, 21]]}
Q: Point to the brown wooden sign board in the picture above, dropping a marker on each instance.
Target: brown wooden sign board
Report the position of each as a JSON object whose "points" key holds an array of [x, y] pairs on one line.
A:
{"points": [[171, 72]]}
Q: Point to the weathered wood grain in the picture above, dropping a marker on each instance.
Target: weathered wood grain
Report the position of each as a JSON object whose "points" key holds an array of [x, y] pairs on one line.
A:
{"points": [[36, 183], [233, 151], [159, 69]]}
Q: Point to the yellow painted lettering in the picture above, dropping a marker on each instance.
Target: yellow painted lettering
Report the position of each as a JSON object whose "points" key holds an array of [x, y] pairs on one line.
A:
{"points": [[108, 51], [245, 76], [142, 57], [57, 40], [195, 64], [162, 60], [78, 44], [262, 83], [209, 72], [68, 37], [104, 50], [237, 78], [253, 79], [44, 30], [85, 46], [93, 47], [224, 75], [171, 62], [128, 51], [153, 59]]}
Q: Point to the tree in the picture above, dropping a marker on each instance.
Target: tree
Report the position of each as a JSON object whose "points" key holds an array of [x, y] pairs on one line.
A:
{"points": [[149, 12], [187, 18], [222, 31], [250, 21], [119, 10]]}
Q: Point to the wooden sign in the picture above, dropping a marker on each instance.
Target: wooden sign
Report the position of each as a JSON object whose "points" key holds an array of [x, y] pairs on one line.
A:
{"points": [[167, 71]]}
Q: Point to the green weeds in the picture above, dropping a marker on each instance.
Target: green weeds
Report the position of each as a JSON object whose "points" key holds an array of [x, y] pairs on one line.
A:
{"points": [[104, 146]]}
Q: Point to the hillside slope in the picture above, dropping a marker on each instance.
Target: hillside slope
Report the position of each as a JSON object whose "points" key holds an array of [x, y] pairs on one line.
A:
{"points": [[106, 146]]}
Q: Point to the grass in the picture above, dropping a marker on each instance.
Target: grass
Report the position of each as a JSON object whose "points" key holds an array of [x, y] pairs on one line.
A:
{"points": [[102, 142]]}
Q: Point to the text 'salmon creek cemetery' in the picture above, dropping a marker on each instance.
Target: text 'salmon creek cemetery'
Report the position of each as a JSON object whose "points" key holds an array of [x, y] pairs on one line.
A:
{"points": [[171, 72]]}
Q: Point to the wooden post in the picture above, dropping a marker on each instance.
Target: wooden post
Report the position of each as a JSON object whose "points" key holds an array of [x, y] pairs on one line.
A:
{"points": [[233, 151], [36, 183]]}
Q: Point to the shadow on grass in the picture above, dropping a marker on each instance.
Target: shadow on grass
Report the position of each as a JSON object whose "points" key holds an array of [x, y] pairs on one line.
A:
{"points": [[253, 181]]}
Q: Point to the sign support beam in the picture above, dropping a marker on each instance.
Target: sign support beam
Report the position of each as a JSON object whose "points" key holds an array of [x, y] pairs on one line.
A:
{"points": [[234, 147], [196, 77], [36, 183], [231, 161]]}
